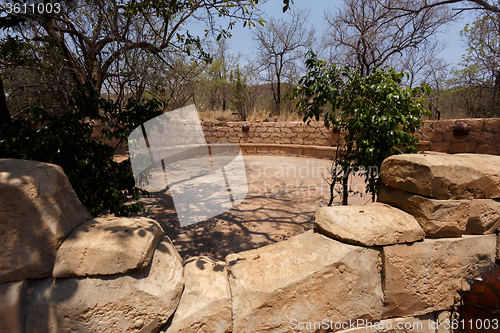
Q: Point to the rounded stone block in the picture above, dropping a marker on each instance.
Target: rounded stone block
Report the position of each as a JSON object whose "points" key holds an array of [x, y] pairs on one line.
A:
{"points": [[38, 210], [108, 245], [371, 225], [140, 302]]}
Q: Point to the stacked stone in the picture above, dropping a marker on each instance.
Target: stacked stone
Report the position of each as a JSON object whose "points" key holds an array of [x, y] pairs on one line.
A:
{"points": [[483, 138], [393, 269], [63, 271], [436, 222], [456, 201], [297, 133], [449, 195]]}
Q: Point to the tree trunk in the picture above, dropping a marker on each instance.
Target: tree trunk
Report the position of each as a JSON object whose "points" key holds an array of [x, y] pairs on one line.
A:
{"points": [[278, 102], [494, 97], [5, 117], [347, 173]]}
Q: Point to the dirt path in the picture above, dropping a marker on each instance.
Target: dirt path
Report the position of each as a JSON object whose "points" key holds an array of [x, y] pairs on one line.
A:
{"points": [[283, 194]]}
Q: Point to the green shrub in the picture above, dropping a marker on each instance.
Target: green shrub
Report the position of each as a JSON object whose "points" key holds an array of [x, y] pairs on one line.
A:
{"points": [[100, 182], [377, 113]]}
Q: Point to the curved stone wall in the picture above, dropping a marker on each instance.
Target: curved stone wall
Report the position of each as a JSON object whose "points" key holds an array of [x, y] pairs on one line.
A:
{"points": [[436, 135], [299, 139]]}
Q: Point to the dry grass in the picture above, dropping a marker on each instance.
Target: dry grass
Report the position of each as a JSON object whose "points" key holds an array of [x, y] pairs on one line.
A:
{"points": [[254, 116]]}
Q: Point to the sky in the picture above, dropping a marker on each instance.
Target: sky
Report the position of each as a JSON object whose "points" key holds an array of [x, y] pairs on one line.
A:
{"points": [[242, 42]]}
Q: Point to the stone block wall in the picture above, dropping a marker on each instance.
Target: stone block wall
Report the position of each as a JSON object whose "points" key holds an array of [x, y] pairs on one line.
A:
{"points": [[391, 266], [314, 140], [435, 135], [297, 133], [483, 138], [275, 138]]}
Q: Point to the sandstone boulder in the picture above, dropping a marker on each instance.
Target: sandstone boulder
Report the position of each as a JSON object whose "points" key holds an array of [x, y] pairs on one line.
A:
{"points": [[12, 303], [140, 301], [370, 225], [438, 218], [205, 305], [484, 216], [424, 276], [459, 176], [308, 277], [38, 210], [108, 245]]}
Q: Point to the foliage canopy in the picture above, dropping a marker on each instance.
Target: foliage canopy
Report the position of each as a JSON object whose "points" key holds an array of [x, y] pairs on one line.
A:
{"points": [[100, 182], [376, 113]]}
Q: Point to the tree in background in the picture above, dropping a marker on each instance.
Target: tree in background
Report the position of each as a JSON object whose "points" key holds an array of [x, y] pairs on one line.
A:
{"points": [[174, 79], [479, 78], [241, 92], [33, 76], [213, 86], [98, 41], [410, 7], [376, 113], [101, 183], [281, 45], [367, 34], [93, 35]]}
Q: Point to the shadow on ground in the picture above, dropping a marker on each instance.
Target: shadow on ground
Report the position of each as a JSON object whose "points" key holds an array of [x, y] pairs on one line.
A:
{"points": [[284, 193]]}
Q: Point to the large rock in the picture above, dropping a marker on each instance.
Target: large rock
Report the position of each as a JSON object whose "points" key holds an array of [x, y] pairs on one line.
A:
{"points": [[484, 216], [375, 224], [425, 276], [108, 245], [12, 303], [140, 301], [38, 210], [205, 305], [308, 277], [459, 176], [438, 218]]}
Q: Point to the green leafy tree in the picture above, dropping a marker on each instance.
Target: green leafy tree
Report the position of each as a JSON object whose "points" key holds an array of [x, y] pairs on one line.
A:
{"points": [[377, 114], [93, 35], [239, 91], [478, 81], [100, 182], [92, 38], [14, 53]]}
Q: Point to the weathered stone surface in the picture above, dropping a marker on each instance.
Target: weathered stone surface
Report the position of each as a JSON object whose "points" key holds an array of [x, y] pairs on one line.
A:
{"points": [[38, 209], [12, 303], [308, 277], [108, 245], [459, 176], [425, 276], [438, 218], [370, 225], [444, 319], [484, 216], [205, 305], [419, 324], [140, 301]]}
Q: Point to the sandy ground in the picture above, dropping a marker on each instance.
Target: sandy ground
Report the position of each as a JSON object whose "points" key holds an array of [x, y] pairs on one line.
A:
{"points": [[283, 194]]}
